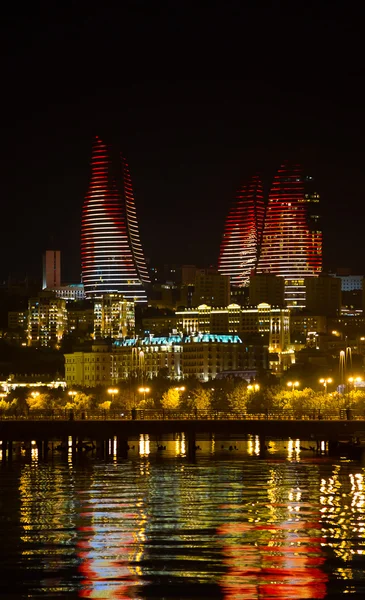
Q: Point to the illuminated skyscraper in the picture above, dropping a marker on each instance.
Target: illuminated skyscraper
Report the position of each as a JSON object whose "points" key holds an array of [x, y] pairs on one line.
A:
{"points": [[242, 235], [292, 242], [111, 253]]}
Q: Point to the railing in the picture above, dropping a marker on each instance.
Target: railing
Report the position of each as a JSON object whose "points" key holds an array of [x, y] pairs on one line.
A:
{"points": [[163, 414]]}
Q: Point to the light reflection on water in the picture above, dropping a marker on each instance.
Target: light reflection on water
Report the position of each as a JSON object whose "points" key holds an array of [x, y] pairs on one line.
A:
{"points": [[230, 525]]}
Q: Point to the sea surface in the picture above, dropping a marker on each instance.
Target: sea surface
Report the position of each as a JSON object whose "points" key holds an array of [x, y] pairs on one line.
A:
{"points": [[228, 525]]}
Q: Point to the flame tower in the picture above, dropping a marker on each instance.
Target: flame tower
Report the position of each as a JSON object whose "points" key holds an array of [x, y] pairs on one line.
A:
{"points": [[242, 236], [112, 258], [292, 240]]}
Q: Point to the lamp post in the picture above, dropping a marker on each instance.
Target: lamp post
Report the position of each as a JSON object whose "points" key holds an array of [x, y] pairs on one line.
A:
{"points": [[71, 393], [144, 391], [353, 380], [253, 388], [325, 383], [112, 392], [293, 385], [180, 389]]}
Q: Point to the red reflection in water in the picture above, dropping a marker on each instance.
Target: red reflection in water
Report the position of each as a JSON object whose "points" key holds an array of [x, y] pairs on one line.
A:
{"points": [[272, 566], [106, 577]]}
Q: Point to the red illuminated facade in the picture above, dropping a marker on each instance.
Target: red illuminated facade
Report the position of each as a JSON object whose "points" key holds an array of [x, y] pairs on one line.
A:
{"points": [[292, 241], [111, 253], [243, 234]]}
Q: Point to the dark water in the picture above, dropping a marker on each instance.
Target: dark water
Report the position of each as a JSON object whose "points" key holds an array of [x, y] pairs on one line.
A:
{"points": [[229, 525]]}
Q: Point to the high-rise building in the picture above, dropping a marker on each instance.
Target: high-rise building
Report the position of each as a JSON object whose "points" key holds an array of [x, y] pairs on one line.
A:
{"points": [[242, 236], [292, 241], [111, 253], [51, 269]]}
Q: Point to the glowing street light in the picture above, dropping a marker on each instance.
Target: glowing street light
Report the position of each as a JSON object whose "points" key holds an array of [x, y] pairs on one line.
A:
{"points": [[253, 388], [353, 380], [144, 391], [36, 394], [293, 385], [112, 392], [70, 393], [325, 383], [180, 389]]}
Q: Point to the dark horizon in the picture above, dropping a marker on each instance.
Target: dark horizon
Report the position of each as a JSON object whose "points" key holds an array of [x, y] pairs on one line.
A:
{"points": [[192, 131]]}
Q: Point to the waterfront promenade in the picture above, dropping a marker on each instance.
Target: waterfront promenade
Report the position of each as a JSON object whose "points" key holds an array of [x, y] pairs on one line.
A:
{"points": [[45, 426]]}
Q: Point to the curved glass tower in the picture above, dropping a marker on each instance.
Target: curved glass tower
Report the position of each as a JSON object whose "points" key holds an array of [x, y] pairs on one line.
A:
{"points": [[112, 258], [292, 240], [242, 236]]}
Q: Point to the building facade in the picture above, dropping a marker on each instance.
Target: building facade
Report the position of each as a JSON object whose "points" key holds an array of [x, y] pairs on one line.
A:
{"points": [[267, 288], [51, 269], [71, 292], [204, 357], [112, 258], [270, 322], [292, 240], [211, 287], [242, 235], [114, 317], [323, 295], [47, 321]]}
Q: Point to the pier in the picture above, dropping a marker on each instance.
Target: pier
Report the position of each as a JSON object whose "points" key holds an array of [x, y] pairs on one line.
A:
{"points": [[85, 428]]}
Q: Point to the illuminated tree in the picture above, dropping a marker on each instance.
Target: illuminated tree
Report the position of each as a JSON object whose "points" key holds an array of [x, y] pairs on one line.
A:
{"points": [[79, 401], [105, 405], [171, 399], [39, 401], [4, 405], [201, 399], [238, 398]]}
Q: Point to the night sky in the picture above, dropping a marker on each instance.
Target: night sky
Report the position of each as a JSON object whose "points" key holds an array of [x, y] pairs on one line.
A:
{"points": [[197, 99]]}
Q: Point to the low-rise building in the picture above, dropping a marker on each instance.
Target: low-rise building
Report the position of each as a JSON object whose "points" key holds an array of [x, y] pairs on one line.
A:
{"points": [[270, 322], [203, 356]]}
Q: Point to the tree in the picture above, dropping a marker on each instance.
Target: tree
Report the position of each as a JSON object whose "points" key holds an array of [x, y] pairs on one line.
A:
{"points": [[201, 399], [238, 398], [105, 405], [39, 401], [80, 401], [171, 399]]}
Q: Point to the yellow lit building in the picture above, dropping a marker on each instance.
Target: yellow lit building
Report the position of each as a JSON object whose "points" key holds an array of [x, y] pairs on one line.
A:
{"points": [[265, 320], [203, 356], [113, 317], [47, 320]]}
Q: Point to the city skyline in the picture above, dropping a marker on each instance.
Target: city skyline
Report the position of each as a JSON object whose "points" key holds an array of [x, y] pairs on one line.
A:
{"points": [[246, 189], [192, 130]]}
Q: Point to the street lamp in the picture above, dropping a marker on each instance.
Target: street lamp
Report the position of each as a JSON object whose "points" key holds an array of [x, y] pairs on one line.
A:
{"points": [[144, 391], [112, 392], [353, 380], [70, 393], [36, 394], [293, 385], [325, 382], [253, 388], [180, 389]]}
